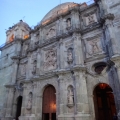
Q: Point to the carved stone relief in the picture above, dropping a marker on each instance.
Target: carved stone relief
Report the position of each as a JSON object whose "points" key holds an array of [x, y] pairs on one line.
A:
{"points": [[51, 33], [23, 69], [68, 23], [29, 104], [90, 19], [70, 55], [50, 59], [25, 49], [34, 67], [93, 47], [70, 96], [34, 55]]}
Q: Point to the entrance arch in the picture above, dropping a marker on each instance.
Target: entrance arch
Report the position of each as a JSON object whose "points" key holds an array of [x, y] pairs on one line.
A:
{"points": [[49, 103], [104, 102], [19, 105]]}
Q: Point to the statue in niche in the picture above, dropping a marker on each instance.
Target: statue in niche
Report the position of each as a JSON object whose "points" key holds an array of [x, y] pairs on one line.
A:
{"points": [[70, 55], [68, 22], [51, 59], [23, 70], [34, 67], [95, 47], [29, 104], [91, 19], [70, 96]]}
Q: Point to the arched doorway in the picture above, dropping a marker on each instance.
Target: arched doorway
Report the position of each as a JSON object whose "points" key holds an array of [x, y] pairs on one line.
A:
{"points": [[104, 102], [19, 105], [49, 103]]}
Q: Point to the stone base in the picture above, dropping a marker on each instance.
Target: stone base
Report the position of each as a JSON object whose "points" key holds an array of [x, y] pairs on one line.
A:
{"points": [[28, 117], [75, 117]]}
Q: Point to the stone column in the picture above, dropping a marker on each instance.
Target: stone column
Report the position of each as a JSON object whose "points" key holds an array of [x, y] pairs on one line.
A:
{"points": [[117, 65], [110, 35], [82, 105], [78, 49], [62, 98], [113, 76], [34, 101]]}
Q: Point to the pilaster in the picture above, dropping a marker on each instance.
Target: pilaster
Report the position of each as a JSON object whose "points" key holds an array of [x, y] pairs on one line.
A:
{"points": [[112, 45], [78, 49], [9, 102], [75, 19], [15, 68], [61, 49]]}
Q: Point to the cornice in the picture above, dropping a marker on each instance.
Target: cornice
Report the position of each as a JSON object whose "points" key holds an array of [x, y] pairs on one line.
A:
{"points": [[9, 85]]}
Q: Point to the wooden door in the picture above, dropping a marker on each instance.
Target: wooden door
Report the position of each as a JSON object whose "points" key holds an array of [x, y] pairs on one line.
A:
{"points": [[49, 103], [104, 102]]}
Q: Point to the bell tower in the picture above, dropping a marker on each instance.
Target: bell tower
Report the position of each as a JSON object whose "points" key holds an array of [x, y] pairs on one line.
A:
{"points": [[9, 61], [18, 31]]}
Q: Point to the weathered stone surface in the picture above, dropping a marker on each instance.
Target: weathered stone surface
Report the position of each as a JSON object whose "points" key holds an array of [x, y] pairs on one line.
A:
{"points": [[62, 51]]}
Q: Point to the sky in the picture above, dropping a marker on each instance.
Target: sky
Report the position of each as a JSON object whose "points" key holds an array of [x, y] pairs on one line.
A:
{"points": [[30, 11]]}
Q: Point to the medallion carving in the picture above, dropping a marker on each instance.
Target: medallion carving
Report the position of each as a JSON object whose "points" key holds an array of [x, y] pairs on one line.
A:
{"points": [[50, 59], [93, 47]]}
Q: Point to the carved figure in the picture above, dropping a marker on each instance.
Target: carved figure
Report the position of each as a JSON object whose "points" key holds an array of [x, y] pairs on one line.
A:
{"points": [[91, 19], [94, 45], [29, 104], [68, 22], [51, 33], [70, 55], [34, 67], [23, 69], [50, 58], [70, 95]]}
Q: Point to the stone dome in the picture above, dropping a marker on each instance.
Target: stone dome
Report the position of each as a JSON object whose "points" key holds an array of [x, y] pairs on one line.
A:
{"points": [[59, 9]]}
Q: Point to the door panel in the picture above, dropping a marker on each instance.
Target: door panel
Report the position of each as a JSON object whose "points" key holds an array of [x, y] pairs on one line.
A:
{"points": [[49, 103]]}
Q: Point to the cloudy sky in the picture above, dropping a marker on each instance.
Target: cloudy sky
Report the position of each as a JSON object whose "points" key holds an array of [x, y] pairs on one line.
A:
{"points": [[30, 11]]}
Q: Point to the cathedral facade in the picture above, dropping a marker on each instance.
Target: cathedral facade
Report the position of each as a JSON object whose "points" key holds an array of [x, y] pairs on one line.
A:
{"points": [[66, 68]]}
